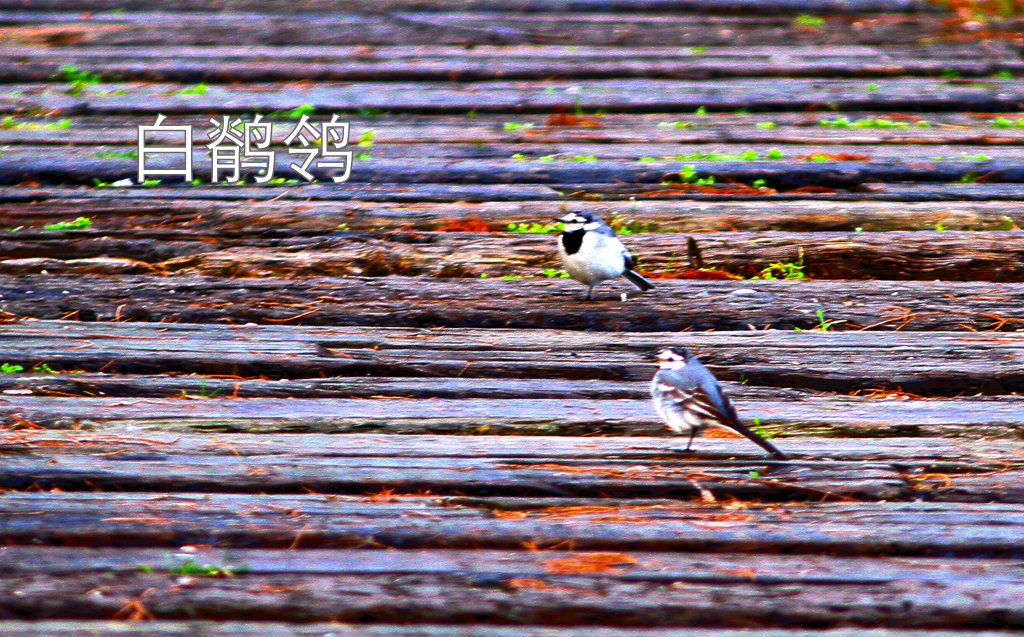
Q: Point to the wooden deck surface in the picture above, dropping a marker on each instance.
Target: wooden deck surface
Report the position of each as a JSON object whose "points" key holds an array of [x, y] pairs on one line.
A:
{"points": [[377, 408]]}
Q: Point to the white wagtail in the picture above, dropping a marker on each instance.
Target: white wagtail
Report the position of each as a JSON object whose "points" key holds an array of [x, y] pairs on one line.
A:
{"points": [[689, 399], [590, 252]]}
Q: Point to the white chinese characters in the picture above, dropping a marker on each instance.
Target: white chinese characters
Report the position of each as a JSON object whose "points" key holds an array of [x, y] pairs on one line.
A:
{"points": [[236, 144]]}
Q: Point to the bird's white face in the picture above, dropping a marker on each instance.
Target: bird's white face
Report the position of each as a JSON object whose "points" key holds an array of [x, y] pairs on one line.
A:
{"points": [[670, 359], [574, 222]]}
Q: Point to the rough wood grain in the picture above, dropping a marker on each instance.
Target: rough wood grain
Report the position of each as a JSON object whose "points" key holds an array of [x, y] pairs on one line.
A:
{"points": [[164, 470], [742, 540], [540, 303], [528, 96], [229, 220], [122, 459], [430, 521], [167, 386], [496, 597], [917, 456], [166, 628], [496, 165], [836, 417], [946, 52], [200, 64], [947, 255], [475, 28], [518, 6], [481, 193], [970, 256], [672, 128], [632, 566]]}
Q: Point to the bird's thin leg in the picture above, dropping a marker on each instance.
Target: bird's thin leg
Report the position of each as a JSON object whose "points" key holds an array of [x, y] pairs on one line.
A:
{"points": [[589, 290], [693, 432]]}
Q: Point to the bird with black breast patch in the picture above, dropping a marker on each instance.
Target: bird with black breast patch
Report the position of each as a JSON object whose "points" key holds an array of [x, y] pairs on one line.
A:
{"points": [[591, 253], [689, 399]]}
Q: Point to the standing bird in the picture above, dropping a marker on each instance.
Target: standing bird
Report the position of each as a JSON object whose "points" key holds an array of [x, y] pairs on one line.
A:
{"points": [[689, 399], [590, 252]]}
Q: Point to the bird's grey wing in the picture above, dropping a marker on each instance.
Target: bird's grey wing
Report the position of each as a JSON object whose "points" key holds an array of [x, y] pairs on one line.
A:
{"points": [[709, 393], [713, 391], [600, 227], [681, 394], [697, 401]]}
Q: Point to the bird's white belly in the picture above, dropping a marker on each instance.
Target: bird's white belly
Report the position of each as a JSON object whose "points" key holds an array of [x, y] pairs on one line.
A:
{"points": [[682, 422], [595, 261]]}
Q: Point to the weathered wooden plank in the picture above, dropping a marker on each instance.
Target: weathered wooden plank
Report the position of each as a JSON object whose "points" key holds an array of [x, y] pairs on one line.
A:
{"points": [[527, 6], [541, 304], [466, 27], [898, 53], [940, 159], [945, 255], [950, 256], [196, 64], [334, 350], [946, 363], [527, 96], [480, 193], [229, 220], [166, 628], [903, 191], [542, 165], [165, 470], [327, 521], [914, 456], [835, 417], [675, 128], [166, 386], [879, 161], [631, 566], [119, 458], [498, 597]]}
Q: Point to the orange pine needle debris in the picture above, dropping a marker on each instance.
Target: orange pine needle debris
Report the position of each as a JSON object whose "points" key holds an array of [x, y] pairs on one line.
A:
{"points": [[466, 224], [565, 119], [835, 156], [589, 563], [691, 273]]}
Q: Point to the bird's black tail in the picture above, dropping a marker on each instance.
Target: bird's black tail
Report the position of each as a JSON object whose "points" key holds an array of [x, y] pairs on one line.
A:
{"points": [[637, 280], [761, 442]]}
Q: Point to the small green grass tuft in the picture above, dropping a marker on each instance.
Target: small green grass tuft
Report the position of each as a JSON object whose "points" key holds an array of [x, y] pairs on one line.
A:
{"points": [[127, 154], [78, 224], [764, 433], [298, 111], [623, 225], [688, 175], [537, 228], [783, 270], [563, 157], [198, 89], [196, 569], [810, 21]]}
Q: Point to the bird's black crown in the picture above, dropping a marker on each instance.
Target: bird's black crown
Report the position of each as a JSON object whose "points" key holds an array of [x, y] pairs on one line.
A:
{"points": [[675, 354], [577, 217]]}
